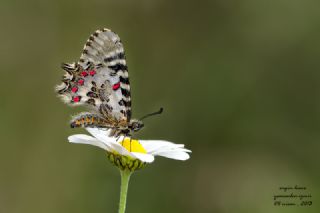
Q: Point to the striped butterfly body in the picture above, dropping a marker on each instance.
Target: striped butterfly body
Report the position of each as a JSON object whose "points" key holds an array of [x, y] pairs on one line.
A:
{"points": [[100, 81]]}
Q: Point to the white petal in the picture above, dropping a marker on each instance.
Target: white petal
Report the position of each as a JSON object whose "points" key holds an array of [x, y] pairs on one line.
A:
{"points": [[120, 149], [101, 134], [165, 149], [169, 149], [177, 155], [86, 139], [156, 146], [143, 157]]}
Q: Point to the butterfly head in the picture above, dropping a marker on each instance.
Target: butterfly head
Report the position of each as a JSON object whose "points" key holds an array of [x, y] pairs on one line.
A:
{"points": [[135, 125]]}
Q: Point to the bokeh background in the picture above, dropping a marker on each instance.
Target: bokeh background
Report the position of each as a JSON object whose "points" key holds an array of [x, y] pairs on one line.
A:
{"points": [[239, 81]]}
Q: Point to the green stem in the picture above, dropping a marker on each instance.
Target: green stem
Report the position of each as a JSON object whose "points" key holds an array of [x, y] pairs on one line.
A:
{"points": [[125, 177]]}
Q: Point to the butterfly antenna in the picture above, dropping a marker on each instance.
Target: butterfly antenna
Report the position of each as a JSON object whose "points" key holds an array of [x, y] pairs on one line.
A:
{"points": [[151, 114]]}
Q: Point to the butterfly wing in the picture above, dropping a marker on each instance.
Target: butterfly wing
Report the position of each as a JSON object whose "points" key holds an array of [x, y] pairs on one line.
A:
{"points": [[100, 79]]}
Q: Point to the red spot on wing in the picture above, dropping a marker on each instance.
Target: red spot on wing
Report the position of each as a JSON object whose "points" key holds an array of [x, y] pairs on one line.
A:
{"points": [[74, 89], [92, 72], [76, 98], [84, 73], [116, 86], [80, 82]]}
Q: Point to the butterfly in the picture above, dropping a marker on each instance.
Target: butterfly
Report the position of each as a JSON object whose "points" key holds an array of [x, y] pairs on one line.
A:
{"points": [[100, 82]]}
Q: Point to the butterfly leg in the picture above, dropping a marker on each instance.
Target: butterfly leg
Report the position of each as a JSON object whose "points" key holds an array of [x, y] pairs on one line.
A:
{"points": [[118, 137], [130, 143], [114, 133]]}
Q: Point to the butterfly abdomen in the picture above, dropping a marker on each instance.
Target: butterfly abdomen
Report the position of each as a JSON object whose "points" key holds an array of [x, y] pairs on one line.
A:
{"points": [[87, 120]]}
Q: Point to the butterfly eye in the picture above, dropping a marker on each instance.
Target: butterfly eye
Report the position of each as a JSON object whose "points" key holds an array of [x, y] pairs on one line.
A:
{"points": [[137, 125]]}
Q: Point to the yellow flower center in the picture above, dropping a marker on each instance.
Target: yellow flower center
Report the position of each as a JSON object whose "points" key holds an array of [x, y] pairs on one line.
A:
{"points": [[133, 145]]}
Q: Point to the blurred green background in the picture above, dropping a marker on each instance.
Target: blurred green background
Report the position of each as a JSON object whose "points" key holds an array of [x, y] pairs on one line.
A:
{"points": [[239, 81]]}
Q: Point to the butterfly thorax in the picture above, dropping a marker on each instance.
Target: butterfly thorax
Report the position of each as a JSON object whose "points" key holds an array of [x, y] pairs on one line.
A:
{"points": [[126, 129]]}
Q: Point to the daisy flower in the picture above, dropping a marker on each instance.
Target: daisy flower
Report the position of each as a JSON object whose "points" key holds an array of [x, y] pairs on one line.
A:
{"points": [[130, 154]]}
